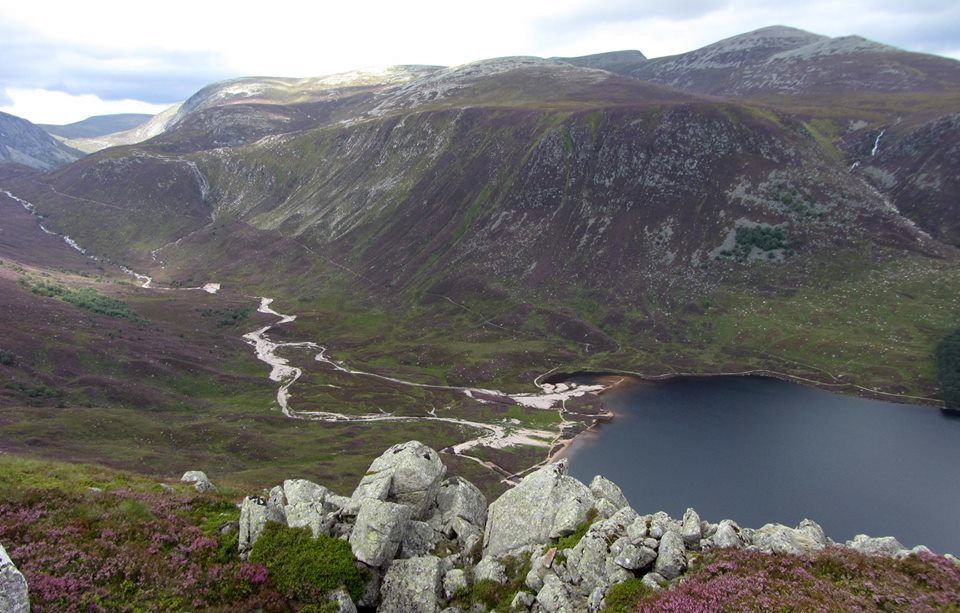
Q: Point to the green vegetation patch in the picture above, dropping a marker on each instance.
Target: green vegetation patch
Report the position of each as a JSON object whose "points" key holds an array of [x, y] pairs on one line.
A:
{"points": [[570, 541], [307, 568], [86, 298], [488, 595], [624, 597], [762, 237], [228, 317], [769, 240]]}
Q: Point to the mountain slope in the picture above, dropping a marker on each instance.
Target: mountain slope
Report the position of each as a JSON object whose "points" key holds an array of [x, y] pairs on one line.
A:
{"points": [[917, 166], [98, 125], [21, 142], [477, 225], [583, 217], [786, 61], [418, 188], [250, 107]]}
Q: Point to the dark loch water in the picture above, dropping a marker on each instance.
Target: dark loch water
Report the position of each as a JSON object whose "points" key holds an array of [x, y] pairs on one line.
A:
{"points": [[760, 451]]}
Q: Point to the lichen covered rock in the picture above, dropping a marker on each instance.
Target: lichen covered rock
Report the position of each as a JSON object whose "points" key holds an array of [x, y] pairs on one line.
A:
{"points": [[546, 504], [199, 480], [378, 532], [409, 474], [411, 586], [14, 597]]}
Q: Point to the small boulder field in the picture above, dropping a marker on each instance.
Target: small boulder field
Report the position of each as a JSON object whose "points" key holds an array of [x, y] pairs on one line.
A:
{"points": [[424, 543], [411, 539]]}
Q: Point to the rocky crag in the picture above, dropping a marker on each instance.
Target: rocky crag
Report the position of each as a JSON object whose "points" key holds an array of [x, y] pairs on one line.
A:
{"points": [[425, 541], [13, 587]]}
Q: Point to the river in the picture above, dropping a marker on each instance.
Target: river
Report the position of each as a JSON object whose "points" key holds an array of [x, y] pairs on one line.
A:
{"points": [[760, 450]]}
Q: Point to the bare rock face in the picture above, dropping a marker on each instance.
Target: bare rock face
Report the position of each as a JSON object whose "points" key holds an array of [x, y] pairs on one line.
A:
{"points": [[556, 597], [608, 495], [808, 537], [378, 532], [305, 506], [671, 557], [13, 587], [199, 480], [342, 603], [727, 535], [408, 474], [592, 563], [454, 582], [419, 539], [411, 586], [546, 504], [690, 530], [876, 546], [462, 508], [253, 517]]}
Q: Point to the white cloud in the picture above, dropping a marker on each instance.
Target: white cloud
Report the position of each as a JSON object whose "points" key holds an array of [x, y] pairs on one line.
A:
{"points": [[45, 106]]}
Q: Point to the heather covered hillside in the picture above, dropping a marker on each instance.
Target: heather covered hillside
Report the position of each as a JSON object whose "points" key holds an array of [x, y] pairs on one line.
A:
{"points": [[90, 539], [372, 316]]}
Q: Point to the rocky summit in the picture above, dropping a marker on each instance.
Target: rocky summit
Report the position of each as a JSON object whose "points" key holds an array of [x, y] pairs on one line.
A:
{"points": [[424, 542]]}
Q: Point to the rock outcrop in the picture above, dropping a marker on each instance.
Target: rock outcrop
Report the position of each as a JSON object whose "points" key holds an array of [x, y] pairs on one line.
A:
{"points": [[378, 531], [412, 586], [420, 537], [408, 474], [808, 537], [877, 546], [13, 586], [546, 505], [199, 480]]}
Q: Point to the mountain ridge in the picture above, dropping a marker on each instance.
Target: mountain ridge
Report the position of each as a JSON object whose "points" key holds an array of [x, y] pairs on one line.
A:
{"points": [[97, 125], [22, 142], [477, 226]]}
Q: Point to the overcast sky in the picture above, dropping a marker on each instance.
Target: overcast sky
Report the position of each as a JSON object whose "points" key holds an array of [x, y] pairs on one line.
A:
{"points": [[63, 61]]}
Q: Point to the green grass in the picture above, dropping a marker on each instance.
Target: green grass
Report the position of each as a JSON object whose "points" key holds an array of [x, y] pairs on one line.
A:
{"points": [[624, 597], [489, 595], [306, 568]]}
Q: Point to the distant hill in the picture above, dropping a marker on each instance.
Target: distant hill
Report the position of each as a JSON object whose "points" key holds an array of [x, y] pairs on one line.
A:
{"points": [[22, 142], [98, 125], [778, 60], [620, 62]]}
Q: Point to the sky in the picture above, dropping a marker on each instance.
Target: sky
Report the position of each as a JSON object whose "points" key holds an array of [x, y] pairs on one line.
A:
{"points": [[62, 61]]}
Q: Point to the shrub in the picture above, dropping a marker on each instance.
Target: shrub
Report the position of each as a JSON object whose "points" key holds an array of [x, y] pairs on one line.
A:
{"points": [[762, 237], [624, 597], [948, 369], [87, 298], [493, 596], [228, 317], [304, 567], [488, 592]]}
